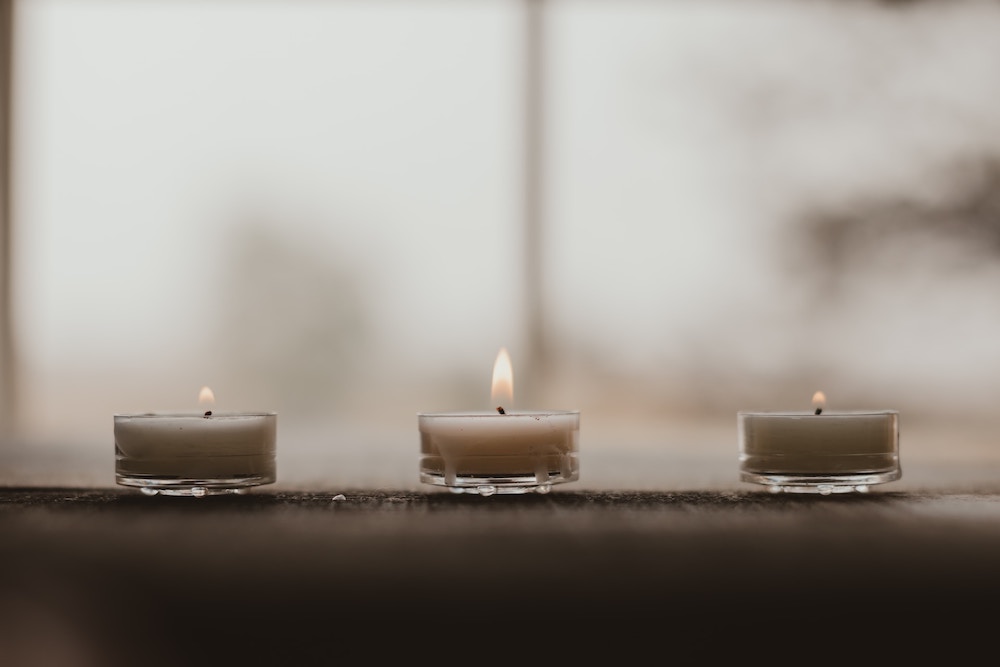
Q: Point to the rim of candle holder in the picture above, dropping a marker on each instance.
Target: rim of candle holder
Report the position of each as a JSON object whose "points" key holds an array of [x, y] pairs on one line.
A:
{"points": [[201, 415], [825, 413], [507, 414]]}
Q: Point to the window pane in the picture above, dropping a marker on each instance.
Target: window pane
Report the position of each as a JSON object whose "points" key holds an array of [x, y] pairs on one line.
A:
{"points": [[318, 208]]}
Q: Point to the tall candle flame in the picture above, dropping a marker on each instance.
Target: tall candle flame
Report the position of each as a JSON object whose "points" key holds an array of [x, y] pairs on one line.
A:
{"points": [[502, 393], [206, 397], [819, 401]]}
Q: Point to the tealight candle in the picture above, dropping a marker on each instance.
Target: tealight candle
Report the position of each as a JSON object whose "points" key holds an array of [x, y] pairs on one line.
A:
{"points": [[499, 451], [819, 451], [195, 454]]}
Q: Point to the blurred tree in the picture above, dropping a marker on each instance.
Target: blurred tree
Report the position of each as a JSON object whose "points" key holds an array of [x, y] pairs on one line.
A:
{"points": [[951, 227]]}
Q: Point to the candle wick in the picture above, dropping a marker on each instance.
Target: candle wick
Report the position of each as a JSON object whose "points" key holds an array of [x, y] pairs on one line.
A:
{"points": [[208, 413], [819, 410], [501, 410]]}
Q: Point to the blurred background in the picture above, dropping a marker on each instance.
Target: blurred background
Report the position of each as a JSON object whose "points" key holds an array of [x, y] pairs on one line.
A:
{"points": [[340, 211]]}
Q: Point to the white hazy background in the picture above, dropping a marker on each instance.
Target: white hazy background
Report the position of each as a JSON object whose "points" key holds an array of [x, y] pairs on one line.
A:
{"points": [[317, 208]]}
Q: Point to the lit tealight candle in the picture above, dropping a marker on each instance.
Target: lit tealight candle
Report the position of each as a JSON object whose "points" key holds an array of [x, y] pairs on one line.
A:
{"points": [[819, 451], [502, 450], [195, 454]]}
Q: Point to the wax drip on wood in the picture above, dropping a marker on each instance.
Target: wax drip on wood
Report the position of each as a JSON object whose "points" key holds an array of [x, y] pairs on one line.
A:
{"points": [[501, 410]]}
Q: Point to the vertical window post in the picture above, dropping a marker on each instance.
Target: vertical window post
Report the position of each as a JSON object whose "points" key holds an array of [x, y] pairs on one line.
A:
{"points": [[8, 374], [537, 359]]}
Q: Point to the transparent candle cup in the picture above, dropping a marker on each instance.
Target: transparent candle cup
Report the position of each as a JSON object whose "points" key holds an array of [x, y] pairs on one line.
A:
{"points": [[805, 452], [179, 454], [490, 453]]}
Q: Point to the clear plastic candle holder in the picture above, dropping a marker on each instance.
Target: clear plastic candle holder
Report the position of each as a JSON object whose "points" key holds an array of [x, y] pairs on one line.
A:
{"points": [[832, 452], [491, 453], [178, 454]]}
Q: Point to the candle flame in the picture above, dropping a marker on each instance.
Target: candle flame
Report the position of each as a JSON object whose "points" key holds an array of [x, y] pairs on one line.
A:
{"points": [[819, 400], [206, 397], [502, 393]]}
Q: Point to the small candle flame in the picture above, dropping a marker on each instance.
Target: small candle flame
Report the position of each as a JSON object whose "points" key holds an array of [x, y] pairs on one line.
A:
{"points": [[502, 393], [206, 397], [819, 401]]}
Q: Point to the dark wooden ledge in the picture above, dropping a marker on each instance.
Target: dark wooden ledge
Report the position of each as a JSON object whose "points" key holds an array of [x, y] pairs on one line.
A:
{"points": [[271, 575]]}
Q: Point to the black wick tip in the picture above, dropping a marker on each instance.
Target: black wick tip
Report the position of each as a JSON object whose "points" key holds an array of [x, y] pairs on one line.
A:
{"points": [[819, 410], [208, 413], [501, 410]]}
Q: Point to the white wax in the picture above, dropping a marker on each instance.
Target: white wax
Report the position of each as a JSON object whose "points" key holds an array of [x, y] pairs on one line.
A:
{"points": [[828, 443], [196, 446], [515, 443]]}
